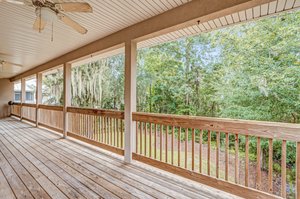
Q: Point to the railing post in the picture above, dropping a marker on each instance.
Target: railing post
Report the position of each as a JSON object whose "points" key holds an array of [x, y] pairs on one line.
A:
{"points": [[38, 96], [298, 171], [67, 96], [130, 98], [23, 96]]}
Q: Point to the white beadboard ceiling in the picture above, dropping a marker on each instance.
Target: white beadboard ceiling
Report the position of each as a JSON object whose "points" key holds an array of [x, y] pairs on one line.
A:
{"points": [[254, 13], [22, 45], [234, 18], [29, 48]]}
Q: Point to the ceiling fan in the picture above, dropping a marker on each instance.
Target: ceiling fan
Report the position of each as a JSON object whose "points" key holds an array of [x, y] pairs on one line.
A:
{"points": [[48, 10], [6, 66]]}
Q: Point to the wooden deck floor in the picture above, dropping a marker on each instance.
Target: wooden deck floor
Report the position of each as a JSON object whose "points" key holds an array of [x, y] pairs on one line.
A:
{"points": [[36, 163]]}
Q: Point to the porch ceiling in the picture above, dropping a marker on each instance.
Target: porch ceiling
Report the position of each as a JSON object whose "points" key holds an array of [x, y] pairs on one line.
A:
{"points": [[234, 18], [22, 45], [31, 49]]}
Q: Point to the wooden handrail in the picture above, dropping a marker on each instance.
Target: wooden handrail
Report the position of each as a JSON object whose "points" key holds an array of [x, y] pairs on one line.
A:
{"points": [[17, 104], [29, 105], [98, 112], [274, 130], [50, 107]]}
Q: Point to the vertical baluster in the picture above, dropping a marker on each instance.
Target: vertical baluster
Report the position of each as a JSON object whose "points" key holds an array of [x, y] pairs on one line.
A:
{"points": [[155, 143], [150, 141], [111, 131], [236, 144], [270, 174], [186, 148], [193, 149], [160, 142], [145, 140], [79, 124], [141, 138], [172, 147], [97, 128], [208, 151], [115, 132], [217, 154], [246, 160], [226, 155], [179, 148], [102, 129], [200, 151], [122, 133], [106, 130], [94, 134], [118, 133], [137, 136], [166, 141], [258, 166], [283, 169], [84, 125]]}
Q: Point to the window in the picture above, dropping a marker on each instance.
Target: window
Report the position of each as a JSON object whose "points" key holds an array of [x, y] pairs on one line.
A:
{"points": [[17, 96], [17, 91]]}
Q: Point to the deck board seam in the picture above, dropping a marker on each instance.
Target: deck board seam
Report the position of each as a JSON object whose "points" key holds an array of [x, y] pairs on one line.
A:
{"points": [[16, 175], [8, 183], [18, 162], [35, 168], [40, 162], [71, 185]]}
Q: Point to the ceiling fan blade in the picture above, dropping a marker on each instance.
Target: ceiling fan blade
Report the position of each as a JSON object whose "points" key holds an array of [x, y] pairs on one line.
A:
{"points": [[73, 24], [10, 64], [39, 24], [18, 2], [74, 7]]}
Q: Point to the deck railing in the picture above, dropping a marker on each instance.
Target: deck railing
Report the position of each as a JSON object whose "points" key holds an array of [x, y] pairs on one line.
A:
{"points": [[16, 109], [29, 112], [104, 128], [212, 151], [51, 117], [209, 150]]}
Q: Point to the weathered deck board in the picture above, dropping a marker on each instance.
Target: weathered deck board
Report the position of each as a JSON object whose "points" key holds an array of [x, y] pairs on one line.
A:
{"points": [[36, 163]]}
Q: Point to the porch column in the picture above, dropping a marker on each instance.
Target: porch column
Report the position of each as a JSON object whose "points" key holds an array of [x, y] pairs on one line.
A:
{"points": [[23, 95], [130, 98], [67, 95], [38, 96]]}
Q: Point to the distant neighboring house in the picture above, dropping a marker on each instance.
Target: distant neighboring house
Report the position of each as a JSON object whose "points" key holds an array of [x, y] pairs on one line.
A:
{"points": [[30, 94]]}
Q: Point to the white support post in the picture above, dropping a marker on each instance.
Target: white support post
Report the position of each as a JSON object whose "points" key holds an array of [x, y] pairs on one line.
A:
{"points": [[130, 98], [67, 95], [38, 96], [23, 96]]}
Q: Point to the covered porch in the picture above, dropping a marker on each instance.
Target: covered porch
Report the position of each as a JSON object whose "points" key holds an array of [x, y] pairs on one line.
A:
{"points": [[61, 150]]}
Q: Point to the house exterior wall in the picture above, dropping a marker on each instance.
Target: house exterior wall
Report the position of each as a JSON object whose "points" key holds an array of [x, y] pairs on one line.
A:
{"points": [[6, 95]]}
